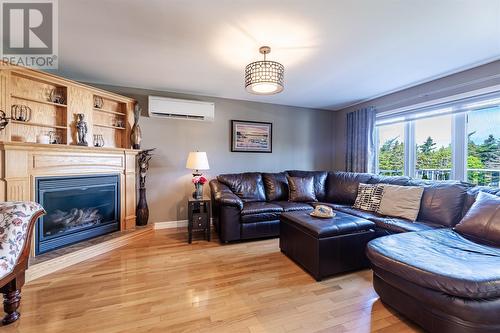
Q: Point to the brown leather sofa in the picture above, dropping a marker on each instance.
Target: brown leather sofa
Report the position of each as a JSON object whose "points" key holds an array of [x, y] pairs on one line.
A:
{"points": [[441, 279], [445, 280], [248, 205]]}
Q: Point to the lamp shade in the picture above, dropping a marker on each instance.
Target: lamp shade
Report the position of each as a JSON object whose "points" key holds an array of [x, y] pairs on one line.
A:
{"points": [[264, 77], [197, 160]]}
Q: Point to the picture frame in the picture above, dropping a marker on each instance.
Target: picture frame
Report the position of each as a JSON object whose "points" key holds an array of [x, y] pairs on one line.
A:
{"points": [[251, 136]]}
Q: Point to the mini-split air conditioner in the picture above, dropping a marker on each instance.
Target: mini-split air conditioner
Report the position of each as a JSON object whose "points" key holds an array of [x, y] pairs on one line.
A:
{"points": [[163, 107]]}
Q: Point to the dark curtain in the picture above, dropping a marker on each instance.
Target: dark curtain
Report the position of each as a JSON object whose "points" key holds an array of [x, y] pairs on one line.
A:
{"points": [[361, 150]]}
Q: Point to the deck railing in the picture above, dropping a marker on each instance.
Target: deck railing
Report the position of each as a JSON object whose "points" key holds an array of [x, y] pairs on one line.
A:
{"points": [[486, 177]]}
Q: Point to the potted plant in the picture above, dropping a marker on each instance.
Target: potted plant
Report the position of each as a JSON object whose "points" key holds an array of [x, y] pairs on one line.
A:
{"points": [[198, 182]]}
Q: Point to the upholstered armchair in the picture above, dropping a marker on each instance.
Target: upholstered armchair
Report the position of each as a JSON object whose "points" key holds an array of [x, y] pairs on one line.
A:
{"points": [[17, 220]]}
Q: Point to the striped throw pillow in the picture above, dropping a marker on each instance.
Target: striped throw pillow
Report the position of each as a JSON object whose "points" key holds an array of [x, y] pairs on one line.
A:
{"points": [[369, 197]]}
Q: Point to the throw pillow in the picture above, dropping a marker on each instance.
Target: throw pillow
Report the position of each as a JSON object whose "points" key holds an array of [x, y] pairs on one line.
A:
{"points": [[301, 189], [401, 201], [276, 186], [369, 197], [483, 218]]}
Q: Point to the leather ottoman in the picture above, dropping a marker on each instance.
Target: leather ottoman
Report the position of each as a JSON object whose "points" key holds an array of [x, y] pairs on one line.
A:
{"points": [[325, 247]]}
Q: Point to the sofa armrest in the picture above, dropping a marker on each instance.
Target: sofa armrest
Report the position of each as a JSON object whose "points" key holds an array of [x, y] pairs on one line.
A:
{"points": [[224, 196]]}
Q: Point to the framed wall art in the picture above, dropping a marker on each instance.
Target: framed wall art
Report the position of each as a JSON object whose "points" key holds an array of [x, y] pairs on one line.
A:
{"points": [[251, 136]]}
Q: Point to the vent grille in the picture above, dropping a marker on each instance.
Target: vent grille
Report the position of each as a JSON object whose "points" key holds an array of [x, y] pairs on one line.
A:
{"points": [[180, 116]]}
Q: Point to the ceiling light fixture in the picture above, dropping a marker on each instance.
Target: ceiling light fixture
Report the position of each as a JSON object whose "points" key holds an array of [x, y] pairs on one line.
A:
{"points": [[264, 77]]}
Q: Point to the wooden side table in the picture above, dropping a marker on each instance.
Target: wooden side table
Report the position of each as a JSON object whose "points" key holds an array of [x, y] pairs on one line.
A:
{"points": [[198, 217]]}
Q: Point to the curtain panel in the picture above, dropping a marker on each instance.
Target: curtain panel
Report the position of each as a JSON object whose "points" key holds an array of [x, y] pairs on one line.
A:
{"points": [[361, 149]]}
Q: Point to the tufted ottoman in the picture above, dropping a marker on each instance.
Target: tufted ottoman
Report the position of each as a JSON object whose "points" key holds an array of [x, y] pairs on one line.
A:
{"points": [[325, 247]]}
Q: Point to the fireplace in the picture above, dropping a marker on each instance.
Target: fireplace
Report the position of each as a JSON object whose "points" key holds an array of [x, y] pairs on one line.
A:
{"points": [[78, 208]]}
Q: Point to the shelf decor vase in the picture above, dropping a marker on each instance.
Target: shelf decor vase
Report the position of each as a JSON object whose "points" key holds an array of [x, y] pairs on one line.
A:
{"points": [[142, 210], [136, 134]]}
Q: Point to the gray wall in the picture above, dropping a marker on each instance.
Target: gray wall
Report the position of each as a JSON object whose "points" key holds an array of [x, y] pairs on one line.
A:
{"points": [[302, 139], [476, 78]]}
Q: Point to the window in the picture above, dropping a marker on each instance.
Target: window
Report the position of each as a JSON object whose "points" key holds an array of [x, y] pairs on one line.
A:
{"points": [[433, 148], [455, 140], [391, 151], [483, 147]]}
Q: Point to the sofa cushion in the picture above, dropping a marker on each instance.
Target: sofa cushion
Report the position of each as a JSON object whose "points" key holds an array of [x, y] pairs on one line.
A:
{"points": [[391, 180], [400, 201], [471, 195], [398, 225], [369, 197], [276, 186], [442, 202], [289, 206], [301, 189], [222, 194], [482, 221], [248, 186], [342, 187], [391, 224], [355, 212], [329, 204], [319, 181], [440, 260], [260, 211]]}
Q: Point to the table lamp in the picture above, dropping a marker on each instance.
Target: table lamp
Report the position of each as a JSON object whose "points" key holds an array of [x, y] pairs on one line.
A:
{"points": [[196, 161]]}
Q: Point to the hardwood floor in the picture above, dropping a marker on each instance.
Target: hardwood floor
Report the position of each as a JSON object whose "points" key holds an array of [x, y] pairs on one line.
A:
{"points": [[159, 283]]}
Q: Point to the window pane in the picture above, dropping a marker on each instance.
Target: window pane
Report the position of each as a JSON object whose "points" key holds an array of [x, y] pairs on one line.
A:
{"points": [[391, 151], [433, 140], [483, 160]]}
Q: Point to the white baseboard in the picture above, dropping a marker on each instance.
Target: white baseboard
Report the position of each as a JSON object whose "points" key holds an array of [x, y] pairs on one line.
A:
{"points": [[171, 224]]}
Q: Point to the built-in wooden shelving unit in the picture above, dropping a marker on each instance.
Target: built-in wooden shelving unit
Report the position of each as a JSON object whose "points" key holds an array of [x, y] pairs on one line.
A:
{"points": [[23, 87], [109, 111], [110, 126], [38, 101], [30, 123]]}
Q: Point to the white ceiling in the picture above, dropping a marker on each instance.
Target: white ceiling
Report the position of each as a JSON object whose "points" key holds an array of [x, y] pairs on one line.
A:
{"points": [[336, 53]]}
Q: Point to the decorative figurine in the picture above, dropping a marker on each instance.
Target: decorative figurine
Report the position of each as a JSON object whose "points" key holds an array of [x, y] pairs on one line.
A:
{"points": [[81, 127], [142, 211], [136, 135]]}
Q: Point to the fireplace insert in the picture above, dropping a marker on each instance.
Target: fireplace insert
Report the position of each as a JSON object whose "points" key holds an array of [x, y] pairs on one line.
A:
{"points": [[78, 208]]}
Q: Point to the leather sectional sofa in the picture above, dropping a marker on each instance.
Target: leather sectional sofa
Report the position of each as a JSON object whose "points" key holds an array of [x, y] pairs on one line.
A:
{"points": [[443, 280], [248, 205]]}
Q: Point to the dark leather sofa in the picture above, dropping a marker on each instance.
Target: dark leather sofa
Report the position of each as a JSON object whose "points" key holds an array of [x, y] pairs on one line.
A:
{"points": [[248, 205], [443, 280]]}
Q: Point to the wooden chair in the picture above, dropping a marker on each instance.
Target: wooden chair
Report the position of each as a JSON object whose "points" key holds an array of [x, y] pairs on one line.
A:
{"points": [[17, 220]]}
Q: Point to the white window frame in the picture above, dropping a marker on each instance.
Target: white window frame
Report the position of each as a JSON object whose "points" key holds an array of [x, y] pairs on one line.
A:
{"points": [[459, 142]]}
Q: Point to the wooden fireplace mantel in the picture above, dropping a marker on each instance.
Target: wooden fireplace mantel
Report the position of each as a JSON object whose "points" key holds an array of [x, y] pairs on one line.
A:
{"points": [[53, 104], [22, 163]]}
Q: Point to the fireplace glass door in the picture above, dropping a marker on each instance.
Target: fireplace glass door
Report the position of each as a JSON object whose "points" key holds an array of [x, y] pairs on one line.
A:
{"points": [[78, 208]]}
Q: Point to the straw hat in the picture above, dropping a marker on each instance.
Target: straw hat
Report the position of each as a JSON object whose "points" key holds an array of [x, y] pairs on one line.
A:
{"points": [[323, 212]]}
